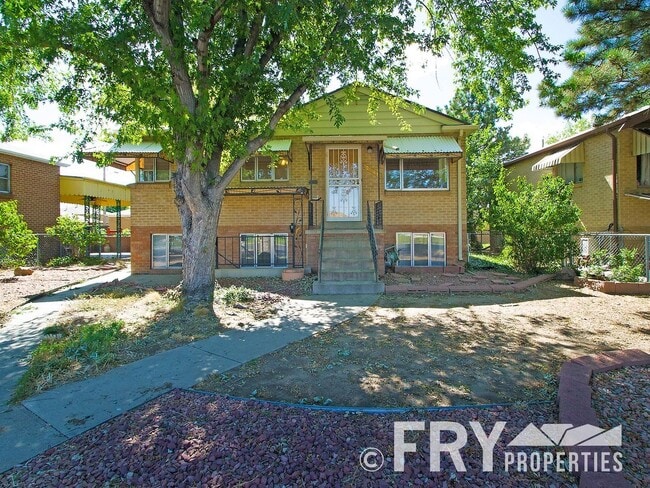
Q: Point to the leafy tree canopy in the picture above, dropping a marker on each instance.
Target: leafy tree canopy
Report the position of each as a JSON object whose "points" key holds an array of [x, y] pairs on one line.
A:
{"points": [[571, 128], [486, 151], [211, 80], [610, 60]]}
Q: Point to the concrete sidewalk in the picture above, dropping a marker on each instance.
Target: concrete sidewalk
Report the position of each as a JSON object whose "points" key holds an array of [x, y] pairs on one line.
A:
{"points": [[56, 415]]}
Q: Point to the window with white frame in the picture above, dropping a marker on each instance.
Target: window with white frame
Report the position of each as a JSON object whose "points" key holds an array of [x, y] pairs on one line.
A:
{"points": [[154, 169], [263, 250], [417, 174], [166, 251], [5, 177], [263, 168], [643, 169], [421, 248], [571, 172]]}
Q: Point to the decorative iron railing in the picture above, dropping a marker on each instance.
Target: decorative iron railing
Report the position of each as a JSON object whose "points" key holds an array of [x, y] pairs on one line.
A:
{"points": [[373, 241], [377, 213], [321, 239], [259, 251]]}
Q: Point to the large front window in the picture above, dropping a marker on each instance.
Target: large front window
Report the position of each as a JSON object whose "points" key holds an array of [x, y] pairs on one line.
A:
{"points": [[154, 169], [421, 249], [263, 168], [417, 174], [5, 170], [166, 251], [263, 250]]}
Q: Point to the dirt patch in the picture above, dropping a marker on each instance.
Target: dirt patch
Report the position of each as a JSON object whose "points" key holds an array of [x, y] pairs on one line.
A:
{"points": [[152, 320], [17, 290], [420, 350]]}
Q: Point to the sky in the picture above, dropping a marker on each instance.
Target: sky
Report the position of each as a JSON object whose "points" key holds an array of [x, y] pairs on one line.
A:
{"points": [[434, 83]]}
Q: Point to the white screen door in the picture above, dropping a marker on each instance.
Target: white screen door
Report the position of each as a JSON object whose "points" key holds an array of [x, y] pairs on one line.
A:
{"points": [[343, 183]]}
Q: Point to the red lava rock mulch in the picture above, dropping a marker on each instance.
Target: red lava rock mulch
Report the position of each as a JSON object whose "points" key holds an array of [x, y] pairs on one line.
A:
{"points": [[622, 397], [191, 439]]}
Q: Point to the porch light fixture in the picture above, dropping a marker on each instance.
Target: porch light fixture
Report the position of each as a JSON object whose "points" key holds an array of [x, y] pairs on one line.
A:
{"points": [[369, 149], [292, 228]]}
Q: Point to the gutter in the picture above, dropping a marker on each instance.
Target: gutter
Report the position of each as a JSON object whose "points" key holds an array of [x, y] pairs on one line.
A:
{"points": [[614, 180], [459, 203]]}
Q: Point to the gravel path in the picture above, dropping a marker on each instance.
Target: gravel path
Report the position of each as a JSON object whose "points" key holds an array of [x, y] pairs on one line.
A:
{"points": [[622, 397], [191, 439]]}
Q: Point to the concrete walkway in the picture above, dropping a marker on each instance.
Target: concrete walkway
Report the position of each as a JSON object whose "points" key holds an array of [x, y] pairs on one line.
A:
{"points": [[56, 415]]}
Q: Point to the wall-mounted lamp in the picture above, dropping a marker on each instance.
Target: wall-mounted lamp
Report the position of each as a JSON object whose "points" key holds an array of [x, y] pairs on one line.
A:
{"points": [[369, 149], [292, 228]]}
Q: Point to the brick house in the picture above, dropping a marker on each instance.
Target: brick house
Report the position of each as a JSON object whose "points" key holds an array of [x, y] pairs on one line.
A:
{"points": [[609, 166], [34, 183], [410, 186]]}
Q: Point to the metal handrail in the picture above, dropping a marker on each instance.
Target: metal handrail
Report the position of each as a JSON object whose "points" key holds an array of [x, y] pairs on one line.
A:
{"points": [[373, 241], [322, 239]]}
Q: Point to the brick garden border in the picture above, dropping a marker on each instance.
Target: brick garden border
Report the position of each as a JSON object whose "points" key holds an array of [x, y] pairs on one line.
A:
{"points": [[574, 399]]}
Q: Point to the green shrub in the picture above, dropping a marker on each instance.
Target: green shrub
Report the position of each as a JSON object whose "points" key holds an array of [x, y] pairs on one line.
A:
{"points": [[76, 234], [539, 223], [623, 267], [16, 240], [62, 261], [236, 294]]}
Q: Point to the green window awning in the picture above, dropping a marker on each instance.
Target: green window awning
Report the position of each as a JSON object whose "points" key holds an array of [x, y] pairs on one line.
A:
{"points": [[422, 145], [277, 145]]}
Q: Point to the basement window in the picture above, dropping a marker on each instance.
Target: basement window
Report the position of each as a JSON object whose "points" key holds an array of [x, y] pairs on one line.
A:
{"points": [[421, 249], [263, 250], [166, 251]]}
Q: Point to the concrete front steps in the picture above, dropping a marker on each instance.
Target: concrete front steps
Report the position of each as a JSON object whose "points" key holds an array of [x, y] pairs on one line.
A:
{"points": [[347, 265]]}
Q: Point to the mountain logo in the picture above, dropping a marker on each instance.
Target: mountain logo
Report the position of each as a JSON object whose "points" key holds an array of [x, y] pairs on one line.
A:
{"points": [[549, 435]]}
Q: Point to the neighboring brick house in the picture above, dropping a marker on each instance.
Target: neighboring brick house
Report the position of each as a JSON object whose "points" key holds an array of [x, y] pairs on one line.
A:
{"points": [[610, 168], [413, 181], [34, 183]]}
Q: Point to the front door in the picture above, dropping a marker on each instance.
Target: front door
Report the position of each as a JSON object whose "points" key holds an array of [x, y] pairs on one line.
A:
{"points": [[343, 183]]}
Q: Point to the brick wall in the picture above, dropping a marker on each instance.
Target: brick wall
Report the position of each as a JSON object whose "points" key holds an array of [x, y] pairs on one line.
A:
{"points": [[153, 209], [594, 196], [35, 185]]}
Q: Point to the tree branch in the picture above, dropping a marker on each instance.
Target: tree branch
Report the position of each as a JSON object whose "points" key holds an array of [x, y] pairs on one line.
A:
{"points": [[158, 12]]}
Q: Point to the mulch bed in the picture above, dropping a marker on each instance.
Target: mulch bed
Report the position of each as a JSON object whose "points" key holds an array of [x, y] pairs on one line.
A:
{"points": [[622, 397], [191, 439]]}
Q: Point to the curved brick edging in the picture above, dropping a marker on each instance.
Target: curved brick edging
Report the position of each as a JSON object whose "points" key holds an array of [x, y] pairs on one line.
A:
{"points": [[574, 397]]}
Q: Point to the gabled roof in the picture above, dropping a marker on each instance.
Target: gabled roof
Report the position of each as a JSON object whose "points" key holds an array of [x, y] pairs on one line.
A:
{"points": [[384, 122], [639, 120]]}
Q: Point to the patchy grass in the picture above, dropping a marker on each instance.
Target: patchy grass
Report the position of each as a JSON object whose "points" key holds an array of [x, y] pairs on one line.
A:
{"points": [[235, 294], [482, 262], [85, 341], [67, 349]]}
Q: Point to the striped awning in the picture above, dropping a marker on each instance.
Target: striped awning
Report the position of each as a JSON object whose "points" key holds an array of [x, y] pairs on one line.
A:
{"points": [[422, 145], [553, 159]]}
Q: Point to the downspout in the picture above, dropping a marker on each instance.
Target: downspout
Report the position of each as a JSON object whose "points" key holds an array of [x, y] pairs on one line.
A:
{"points": [[614, 181], [460, 207]]}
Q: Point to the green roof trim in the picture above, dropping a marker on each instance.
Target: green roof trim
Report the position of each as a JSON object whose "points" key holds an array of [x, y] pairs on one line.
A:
{"points": [[277, 145], [422, 145], [141, 148]]}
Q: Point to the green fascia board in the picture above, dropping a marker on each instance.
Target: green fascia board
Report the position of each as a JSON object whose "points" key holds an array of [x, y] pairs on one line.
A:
{"points": [[141, 148], [422, 145]]}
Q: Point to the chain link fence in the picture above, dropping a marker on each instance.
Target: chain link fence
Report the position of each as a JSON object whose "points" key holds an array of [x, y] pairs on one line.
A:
{"points": [[48, 247], [609, 245], [485, 243]]}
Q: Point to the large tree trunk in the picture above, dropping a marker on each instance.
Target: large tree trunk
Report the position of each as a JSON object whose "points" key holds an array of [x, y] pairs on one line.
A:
{"points": [[198, 201]]}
